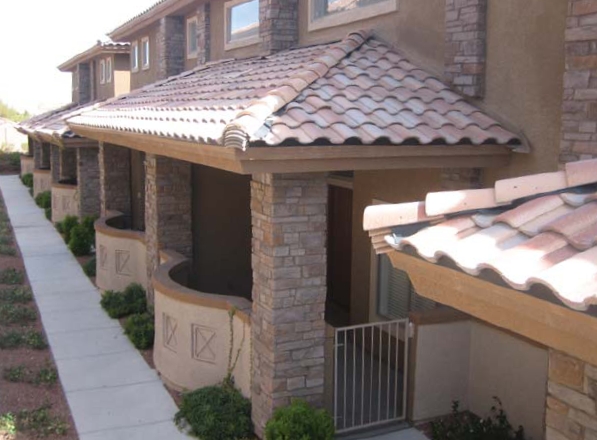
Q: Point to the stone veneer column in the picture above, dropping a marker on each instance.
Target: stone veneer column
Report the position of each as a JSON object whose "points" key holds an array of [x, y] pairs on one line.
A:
{"points": [[466, 41], [203, 33], [68, 163], [171, 50], [115, 178], [37, 153], [55, 163], [278, 24], [579, 107], [45, 160], [88, 180], [289, 215], [571, 400], [168, 214]]}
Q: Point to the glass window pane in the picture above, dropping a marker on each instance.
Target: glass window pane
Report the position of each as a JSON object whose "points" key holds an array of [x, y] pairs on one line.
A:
{"points": [[323, 8], [243, 21], [192, 36]]}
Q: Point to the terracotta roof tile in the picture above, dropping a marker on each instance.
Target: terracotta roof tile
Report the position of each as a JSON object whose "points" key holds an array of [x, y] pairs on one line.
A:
{"points": [[358, 90], [547, 237]]}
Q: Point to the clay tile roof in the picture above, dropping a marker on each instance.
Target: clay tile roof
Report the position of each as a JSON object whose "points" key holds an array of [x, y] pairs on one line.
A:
{"points": [[356, 91], [101, 47], [539, 229], [53, 122]]}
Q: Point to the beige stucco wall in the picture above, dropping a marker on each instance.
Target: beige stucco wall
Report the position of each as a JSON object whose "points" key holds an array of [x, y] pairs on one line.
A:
{"points": [[218, 36], [147, 76], [42, 181], [193, 340], [471, 362], [65, 201], [417, 28], [525, 67], [27, 165], [122, 74], [121, 258]]}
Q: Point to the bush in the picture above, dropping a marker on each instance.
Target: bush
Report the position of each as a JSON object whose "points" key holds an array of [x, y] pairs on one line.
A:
{"points": [[121, 304], [48, 212], [300, 421], [67, 225], [80, 242], [90, 267], [44, 200], [467, 426], [140, 330], [215, 413], [27, 180]]}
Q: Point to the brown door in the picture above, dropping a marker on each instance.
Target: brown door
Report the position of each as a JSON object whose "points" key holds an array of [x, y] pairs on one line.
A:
{"points": [[137, 190], [339, 255]]}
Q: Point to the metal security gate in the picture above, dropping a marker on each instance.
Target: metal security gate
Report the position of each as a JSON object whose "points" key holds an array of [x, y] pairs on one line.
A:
{"points": [[370, 374]]}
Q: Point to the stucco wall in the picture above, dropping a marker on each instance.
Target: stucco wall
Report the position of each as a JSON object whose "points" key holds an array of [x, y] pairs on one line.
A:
{"points": [[27, 165], [148, 76], [65, 201], [524, 83], [471, 362], [192, 341], [122, 74], [42, 181], [218, 34], [121, 257], [417, 28]]}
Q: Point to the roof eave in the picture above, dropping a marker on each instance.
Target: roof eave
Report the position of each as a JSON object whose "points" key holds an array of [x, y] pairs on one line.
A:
{"points": [[83, 57], [306, 158]]}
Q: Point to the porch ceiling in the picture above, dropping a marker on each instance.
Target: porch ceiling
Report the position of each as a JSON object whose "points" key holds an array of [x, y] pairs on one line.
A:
{"points": [[357, 93]]}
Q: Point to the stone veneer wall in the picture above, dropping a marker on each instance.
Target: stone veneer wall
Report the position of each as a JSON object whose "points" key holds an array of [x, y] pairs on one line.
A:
{"points": [[572, 399], [171, 46], [168, 219], [84, 76], [203, 33], [68, 163], [115, 178], [55, 163], [45, 156], [454, 179], [88, 180], [278, 24], [289, 216], [466, 38], [37, 153], [579, 108]]}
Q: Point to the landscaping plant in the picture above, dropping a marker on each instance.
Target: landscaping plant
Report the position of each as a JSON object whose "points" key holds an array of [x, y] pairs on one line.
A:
{"points": [[300, 421], [44, 200], [67, 225], [121, 304], [40, 422], [215, 413], [27, 180], [80, 242], [17, 339], [11, 276], [140, 330], [16, 314], [90, 267], [16, 295], [467, 426]]}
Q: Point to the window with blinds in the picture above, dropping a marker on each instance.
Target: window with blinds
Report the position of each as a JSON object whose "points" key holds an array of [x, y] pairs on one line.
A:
{"points": [[395, 293]]}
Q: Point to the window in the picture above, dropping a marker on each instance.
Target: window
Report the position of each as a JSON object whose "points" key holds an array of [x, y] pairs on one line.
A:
{"points": [[396, 297], [109, 70], [102, 67], [329, 13], [192, 28], [145, 53], [242, 23], [135, 56]]}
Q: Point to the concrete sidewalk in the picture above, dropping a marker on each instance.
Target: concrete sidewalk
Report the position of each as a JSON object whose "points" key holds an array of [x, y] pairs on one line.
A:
{"points": [[111, 391]]}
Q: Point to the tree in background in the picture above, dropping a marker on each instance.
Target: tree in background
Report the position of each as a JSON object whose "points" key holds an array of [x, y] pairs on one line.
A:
{"points": [[8, 112]]}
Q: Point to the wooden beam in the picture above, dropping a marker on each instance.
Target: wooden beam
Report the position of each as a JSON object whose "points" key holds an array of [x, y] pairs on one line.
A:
{"points": [[549, 324]]}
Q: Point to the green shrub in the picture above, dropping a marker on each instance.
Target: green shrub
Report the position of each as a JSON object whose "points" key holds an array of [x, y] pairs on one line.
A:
{"points": [[80, 241], [17, 339], [16, 295], [90, 267], [41, 422], [467, 426], [48, 212], [27, 180], [67, 225], [11, 276], [215, 413], [121, 304], [44, 199], [17, 314], [300, 421], [140, 330]]}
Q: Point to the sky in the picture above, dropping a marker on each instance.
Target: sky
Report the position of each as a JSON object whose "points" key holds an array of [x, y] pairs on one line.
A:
{"points": [[38, 35]]}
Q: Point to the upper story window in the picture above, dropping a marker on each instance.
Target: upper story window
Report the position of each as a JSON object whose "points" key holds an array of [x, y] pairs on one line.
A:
{"points": [[329, 13], [145, 53], [102, 67], [242, 23], [192, 43], [135, 56], [108, 70]]}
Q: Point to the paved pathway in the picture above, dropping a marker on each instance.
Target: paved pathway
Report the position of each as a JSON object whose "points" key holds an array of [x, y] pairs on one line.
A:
{"points": [[111, 391], [405, 434]]}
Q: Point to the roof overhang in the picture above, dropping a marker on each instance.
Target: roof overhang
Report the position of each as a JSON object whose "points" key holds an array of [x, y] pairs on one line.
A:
{"points": [[294, 159], [542, 321], [91, 53], [163, 9]]}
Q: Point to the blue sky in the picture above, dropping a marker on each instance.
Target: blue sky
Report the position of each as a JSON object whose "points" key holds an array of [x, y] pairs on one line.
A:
{"points": [[38, 35]]}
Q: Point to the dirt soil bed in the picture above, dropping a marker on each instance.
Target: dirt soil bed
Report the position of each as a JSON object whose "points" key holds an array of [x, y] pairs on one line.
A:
{"points": [[30, 392]]}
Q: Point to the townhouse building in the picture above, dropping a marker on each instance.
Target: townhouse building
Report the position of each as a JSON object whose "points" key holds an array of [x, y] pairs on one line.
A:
{"points": [[235, 175]]}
